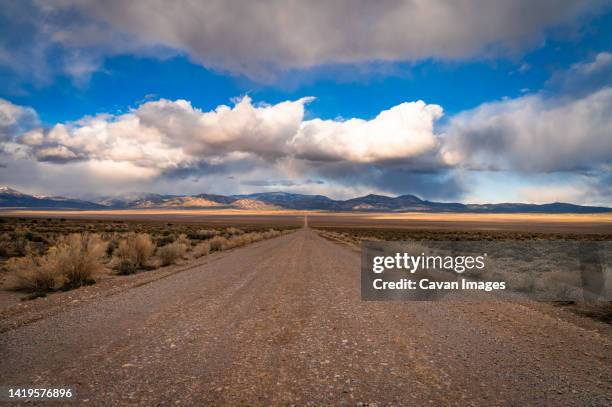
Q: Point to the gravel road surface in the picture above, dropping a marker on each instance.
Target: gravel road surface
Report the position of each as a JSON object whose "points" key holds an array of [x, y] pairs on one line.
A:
{"points": [[281, 322]]}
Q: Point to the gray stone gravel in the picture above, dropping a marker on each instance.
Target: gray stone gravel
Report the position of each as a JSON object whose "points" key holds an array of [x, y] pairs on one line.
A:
{"points": [[281, 322]]}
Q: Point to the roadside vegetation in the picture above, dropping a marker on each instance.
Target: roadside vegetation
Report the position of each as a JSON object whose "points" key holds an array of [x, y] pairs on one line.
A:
{"points": [[523, 278], [38, 256], [356, 234]]}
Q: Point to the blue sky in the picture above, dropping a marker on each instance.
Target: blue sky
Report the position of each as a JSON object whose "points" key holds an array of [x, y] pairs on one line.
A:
{"points": [[68, 71], [348, 91]]}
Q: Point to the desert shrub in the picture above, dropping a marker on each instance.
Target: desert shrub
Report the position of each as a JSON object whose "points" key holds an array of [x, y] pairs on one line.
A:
{"points": [[203, 234], [73, 262], [201, 249], [34, 237], [232, 231], [5, 245], [77, 257], [31, 274], [182, 239], [172, 252], [112, 240], [232, 242], [20, 245], [111, 247], [218, 243], [125, 267], [271, 233], [165, 239], [243, 240], [136, 248]]}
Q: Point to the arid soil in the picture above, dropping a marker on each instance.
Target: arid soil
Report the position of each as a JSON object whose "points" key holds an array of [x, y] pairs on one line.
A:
{"points": [[517, 222], [550, 223], [281, 322]]}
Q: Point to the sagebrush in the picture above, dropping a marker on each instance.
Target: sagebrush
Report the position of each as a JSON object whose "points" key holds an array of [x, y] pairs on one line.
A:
{"points": [[171, 253], [134, 252], [73, 262]]}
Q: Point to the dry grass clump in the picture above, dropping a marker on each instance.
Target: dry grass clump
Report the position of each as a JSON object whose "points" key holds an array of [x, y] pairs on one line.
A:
{"points": [[204, 234], [218, 243], [394, 233], [170, 253], [13, 245], [43, 255], [77, 257], [32, 274], [113, 239], [182, 239], [21, 242], [237, 239], [201, 249], [134, 252], [73, 262], [240, 240], [20, 236], [271, 233], [232, 231]]}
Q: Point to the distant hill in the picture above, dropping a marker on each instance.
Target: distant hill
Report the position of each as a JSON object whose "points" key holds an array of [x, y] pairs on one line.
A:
{"points": [[15, 199], [294, 201], [246, 203], [281, 200], [410, 203], [383, 203]]}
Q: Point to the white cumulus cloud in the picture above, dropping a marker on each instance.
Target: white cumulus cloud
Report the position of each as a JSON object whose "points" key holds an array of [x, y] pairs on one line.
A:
{"points": [[402, 132], [167, 136], [14, 119]]}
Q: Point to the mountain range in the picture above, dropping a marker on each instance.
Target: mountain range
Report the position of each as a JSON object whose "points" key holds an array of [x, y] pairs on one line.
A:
{"points": [[11, 198]]}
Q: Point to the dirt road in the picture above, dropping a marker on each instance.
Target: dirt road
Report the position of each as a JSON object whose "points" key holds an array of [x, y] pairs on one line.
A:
{"points": [[281, 322]]}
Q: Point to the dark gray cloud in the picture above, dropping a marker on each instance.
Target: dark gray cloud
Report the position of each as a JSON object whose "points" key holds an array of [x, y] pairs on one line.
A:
{"points": [[443, 185], [202, 169], [260, 39], [281, 183], [602, 186], [534, 134], [439, 183], [305, 34], [40, 40]]}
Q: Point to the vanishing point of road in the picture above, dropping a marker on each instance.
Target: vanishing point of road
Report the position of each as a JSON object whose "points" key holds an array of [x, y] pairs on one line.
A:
{"points": [[281, 322]]}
